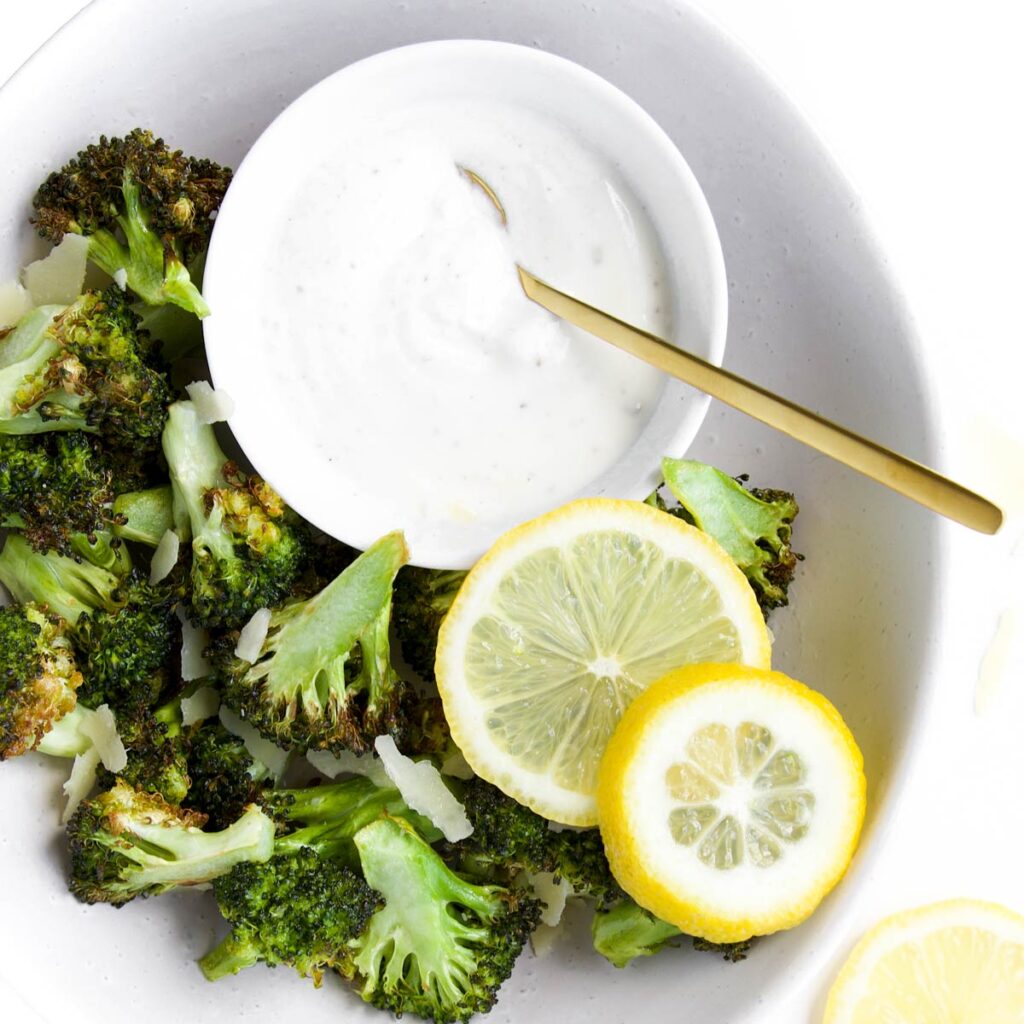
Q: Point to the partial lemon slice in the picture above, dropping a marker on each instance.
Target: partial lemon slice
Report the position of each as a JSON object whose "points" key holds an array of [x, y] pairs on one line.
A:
{"points": [[962, 961], [559, 627], [730, 799]]}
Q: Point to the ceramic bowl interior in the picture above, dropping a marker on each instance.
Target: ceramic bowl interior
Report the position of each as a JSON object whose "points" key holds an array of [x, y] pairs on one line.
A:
{"points": [[353, 100], [813, 315]]}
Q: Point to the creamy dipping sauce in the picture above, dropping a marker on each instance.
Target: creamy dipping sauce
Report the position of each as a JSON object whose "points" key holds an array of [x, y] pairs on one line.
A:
{"points": [[418, 365]]}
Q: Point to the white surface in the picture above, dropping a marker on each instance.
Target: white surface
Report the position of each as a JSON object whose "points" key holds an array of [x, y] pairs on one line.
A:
{"points": [[401, 279], [922, 112]]}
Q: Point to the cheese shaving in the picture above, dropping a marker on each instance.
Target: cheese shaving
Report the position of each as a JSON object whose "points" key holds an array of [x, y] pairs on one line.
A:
{"points": [[254, 632], [59, 277], [165, 557], [423, 790], [80, 782], [211, 406]]}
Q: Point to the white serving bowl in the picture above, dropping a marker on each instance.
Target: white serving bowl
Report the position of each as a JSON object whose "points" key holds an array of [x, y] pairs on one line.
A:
{"points": [[814, 313], [342, 106]]}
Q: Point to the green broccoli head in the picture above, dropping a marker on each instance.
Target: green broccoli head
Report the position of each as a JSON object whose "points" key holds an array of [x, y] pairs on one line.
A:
{"points": [[126, 843], [298, 910], [324, 678], [225, 778], [38, 677], [68, 586], [84, 367], [580, 860], [422, 600], [248, 550], [146, 209], [627, 931], [441, 947], [753, 526], [54, 486], [507, 837], [127, 654]]}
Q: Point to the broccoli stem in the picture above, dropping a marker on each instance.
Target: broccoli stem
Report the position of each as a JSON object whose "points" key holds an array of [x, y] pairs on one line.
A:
{"points": [[144, 516], [229, 956]]}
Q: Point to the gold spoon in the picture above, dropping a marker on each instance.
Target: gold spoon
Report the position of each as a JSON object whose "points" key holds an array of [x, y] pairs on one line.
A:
{"points": [[905, 476]]}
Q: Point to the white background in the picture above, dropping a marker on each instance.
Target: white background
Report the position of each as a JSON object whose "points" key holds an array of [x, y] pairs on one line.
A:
{"points": [[921, 103]]}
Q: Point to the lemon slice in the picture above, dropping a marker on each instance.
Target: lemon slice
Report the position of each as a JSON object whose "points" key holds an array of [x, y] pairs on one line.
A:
{"points": [[962, 961], [730, 800], [559, 627]]}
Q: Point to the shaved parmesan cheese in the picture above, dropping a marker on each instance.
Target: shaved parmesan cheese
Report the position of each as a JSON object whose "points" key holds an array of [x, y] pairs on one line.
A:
{"points": [[194, 641], [165, 557], [101, 728], [203, 704], [423, 790], [258, 746], [347, 763], [15, 302], [456, 765], [121, 278], [254, 632], [211, 406], [59, 277], [80, 781], [552, 894]]}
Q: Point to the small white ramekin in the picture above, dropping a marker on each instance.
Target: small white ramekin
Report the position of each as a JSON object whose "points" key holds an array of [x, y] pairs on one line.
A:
{"points": [[612, 123]]}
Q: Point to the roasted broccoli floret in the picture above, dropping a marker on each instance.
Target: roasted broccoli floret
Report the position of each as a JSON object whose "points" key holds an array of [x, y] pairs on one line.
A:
{"points": [[127, 654], [579, 859], [156, 752], [225, 777], [54, 486], [324, 678], [85, 367], [126, 843], [124, 631], [145, 516], [146, 210], [754, 526], [298, 910], [68, 587], [38, 677], [441, 946], [422, 600], [247, 547], [508, 838], [627, 931]]}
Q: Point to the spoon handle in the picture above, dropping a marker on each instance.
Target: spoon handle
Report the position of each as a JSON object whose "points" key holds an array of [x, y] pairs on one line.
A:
{"points": [[907, 477]]}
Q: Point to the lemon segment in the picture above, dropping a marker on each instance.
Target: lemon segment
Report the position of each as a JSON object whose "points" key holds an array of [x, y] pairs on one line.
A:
{"points": [[730, 800], [960, 960], [564, 622]]}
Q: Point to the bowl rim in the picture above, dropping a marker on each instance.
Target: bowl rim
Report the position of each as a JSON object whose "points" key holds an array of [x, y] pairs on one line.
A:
{"points": [[453, 544]]}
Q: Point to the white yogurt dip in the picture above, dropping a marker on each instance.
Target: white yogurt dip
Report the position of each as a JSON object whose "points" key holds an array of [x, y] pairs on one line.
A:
{"points": [[417, 366]]}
